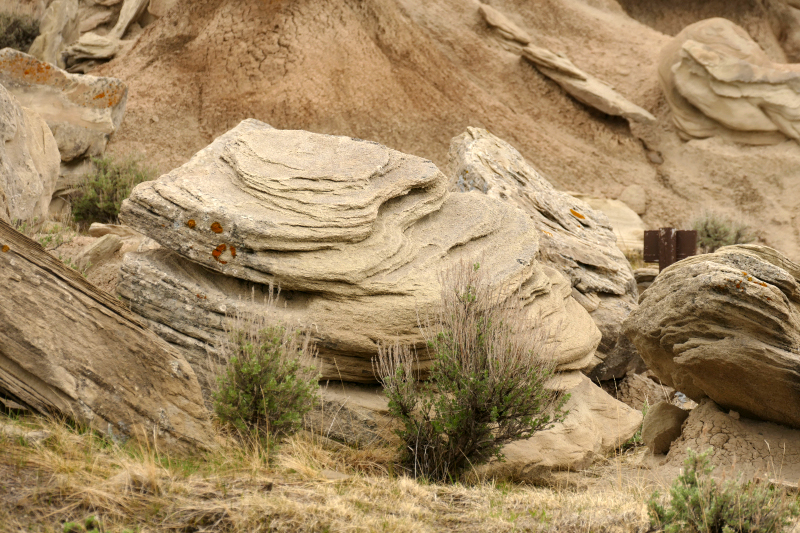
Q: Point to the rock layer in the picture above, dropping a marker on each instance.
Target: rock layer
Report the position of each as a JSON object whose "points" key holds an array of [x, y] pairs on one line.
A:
{"points": [[726, 326], [67, 347], [355, 235], [575, 239], [28, 162], [719, 82]]}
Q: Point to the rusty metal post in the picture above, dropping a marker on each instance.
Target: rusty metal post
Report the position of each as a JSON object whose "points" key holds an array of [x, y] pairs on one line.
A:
{"points": [[667, 249], [686, 243], [650, 246]]}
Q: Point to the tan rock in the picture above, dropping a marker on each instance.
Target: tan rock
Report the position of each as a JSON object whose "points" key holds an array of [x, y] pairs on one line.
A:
{"points": [[28, 162], [584, 87], [719, 82], [638, 390], [635, 197], [159, 8], [124, 232], [662, 425], [644, 278], [575, 239], [726, 326], [99, 252], [357, 415], [82, 111], [96, 19], [505, 27], [59, 27], [68, 347], [627, 225]]}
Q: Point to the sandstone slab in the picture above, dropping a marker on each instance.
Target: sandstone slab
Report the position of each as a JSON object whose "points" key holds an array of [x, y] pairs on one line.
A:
{"points": [[726, 326], [67, 347], [59, 27], [99, 251], [82, 111], [627, 225], [28, 162], [638, 390], [503, 25], [662, 425], [575, 239]]}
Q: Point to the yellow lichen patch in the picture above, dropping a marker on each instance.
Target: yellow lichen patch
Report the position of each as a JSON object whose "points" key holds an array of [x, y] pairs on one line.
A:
{"points": [[216, 227], [191, 223], [577, 215], [5, 248]]}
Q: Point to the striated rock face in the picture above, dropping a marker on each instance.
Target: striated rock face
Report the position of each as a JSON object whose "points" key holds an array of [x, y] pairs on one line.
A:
{"points": [[355, 234], [68, 347], [82, 111], [575, 239], [719, 82], [726, 326], [28, 162]]}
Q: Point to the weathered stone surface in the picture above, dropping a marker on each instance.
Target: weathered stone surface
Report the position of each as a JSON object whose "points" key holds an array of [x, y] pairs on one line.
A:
{"points": [[627, 226], [354, 233], [66, 346], [748, 447], [575, 239], [357, 415], [159, 8], [635, 197], [82, 111], [99, 251], [584, 87], [726, 326], [58, 29], [505, 27], [636, 390], [644, 278], [662, 425], [98, 230], [28, 162], [719, 82]]}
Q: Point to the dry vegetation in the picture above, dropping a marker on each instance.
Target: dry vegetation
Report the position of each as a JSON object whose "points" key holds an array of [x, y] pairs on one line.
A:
{"points": [[310, 484]]}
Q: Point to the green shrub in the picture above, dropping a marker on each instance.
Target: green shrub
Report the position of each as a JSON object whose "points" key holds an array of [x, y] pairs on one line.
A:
{"points": [[18, 30], [715, 231], [100, 194], [700, 505], [486, 385], [269, 383]]}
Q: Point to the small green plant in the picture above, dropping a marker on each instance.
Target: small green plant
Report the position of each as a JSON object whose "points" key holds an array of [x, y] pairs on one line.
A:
{"points": [[487, 382], [701, 505], [715, 230], [100, 194], [18, 31], [636, 440], [269, 382], [91, 524]]}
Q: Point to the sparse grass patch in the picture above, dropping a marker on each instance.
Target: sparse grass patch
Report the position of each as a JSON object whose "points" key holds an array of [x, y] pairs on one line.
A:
{"points": [[715, 230]]}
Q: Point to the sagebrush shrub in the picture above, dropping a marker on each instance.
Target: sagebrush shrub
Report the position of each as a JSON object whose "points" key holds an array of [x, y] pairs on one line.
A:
{"points": [[715, 231], [487, 381], [18, 31], [269, 382], [100, 194], [699, 504]]}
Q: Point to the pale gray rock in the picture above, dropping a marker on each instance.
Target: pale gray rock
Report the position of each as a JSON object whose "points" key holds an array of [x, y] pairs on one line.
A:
{"points": [[99, 230], [99, 252], [584, 87], [58, 28], [67, 347], [575, 239], [28, 162], [719, 82], [644, 278], [635, 197], [726, 326], [82, 111], [503, 25], [627, 225], [662, 425]]}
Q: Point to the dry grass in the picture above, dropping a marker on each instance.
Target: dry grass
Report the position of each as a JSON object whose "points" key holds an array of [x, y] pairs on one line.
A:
{"points": [[75, 474]]}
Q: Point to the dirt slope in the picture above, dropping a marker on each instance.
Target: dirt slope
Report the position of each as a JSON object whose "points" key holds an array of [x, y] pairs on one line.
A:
{"points": [[412, 74]]}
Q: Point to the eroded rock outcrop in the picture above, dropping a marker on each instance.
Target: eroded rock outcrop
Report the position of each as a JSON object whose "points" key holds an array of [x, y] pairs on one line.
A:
{"points": [[575, 239], [726, 326], [28, 162], [719, 82], [68, 347], [355, 234], [58, 28]]}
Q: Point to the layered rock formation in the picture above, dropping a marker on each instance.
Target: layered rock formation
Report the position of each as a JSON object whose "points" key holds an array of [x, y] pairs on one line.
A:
{"points": [[355, 234], [575, 239], [67, 347], [58, 28], [28, 161], [726, 326], [719, 82]]}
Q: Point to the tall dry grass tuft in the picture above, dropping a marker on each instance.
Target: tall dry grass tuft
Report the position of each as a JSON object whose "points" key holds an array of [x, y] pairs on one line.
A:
{"points": [[487, 383]]}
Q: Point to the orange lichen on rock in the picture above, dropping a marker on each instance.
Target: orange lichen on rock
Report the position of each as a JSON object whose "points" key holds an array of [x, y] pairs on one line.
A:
{"points": [[577, 215], [218, 252], [191, 223], [233, 251], [216, 227], [5, 248]]}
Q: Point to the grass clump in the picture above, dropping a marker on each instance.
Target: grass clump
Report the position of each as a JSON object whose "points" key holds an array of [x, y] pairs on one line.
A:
{"points": [[715, 230], [269, 383], [18, 30], [486, 385], [99, 196], [701, 505]]}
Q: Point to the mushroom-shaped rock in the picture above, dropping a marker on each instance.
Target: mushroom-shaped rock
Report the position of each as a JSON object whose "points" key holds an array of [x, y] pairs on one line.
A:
{"points": [[355, 235], [575, 239], [726, 326], [719, 82]]}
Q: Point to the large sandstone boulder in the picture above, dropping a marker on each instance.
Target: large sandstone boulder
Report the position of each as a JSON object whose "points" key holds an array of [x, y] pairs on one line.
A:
{"points": [[354, 234], [28, 162], [719, 82], [726, 326], [58, 28], [82, 111], [575, 239], [662, 426], [67, 347]]}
